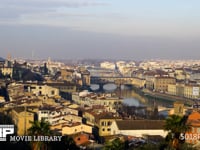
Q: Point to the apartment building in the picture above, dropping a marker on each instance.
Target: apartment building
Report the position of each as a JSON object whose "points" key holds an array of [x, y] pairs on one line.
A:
{"points": [[22, 118], [108, 65], [138, 128], [15, 90], [161, 83], [100, 119], [90, 99], [76, 127], [54, 114], [44, 90], [191, 91]]}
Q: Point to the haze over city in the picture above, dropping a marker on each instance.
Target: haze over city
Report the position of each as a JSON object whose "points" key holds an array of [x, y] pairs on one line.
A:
{"points": [[111, 29], [100, 74]]}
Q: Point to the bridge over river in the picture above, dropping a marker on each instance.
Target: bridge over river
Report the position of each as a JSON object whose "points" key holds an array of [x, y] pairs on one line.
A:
{"points": [[131, 81]]}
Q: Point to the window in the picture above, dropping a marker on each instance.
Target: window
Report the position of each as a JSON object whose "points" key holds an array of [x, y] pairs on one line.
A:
{"points": [[198, 130], [44, 118], [108, 129], [102, 123], [103, 129], [109, 123], [52, 92]]}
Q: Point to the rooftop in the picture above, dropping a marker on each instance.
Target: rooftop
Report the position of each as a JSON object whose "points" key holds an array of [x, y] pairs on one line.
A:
{"points": [[140, 124]]}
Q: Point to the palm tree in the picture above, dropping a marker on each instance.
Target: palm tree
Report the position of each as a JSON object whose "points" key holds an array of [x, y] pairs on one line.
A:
{"points": [[175, 125], [115, 144], [39, 128]]}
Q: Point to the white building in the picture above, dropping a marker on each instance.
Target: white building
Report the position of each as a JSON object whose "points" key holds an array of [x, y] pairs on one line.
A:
{"points": [[110, 102], [54, 115], [107, 65], [138, 128]]}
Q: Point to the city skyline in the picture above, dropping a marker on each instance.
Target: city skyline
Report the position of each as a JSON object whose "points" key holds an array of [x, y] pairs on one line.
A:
{"points": [[100, 29]]}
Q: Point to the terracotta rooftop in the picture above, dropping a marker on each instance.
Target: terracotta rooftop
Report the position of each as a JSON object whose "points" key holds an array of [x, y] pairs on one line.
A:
{"points": [[72, 124], [194, 119], [81, 139], [140, 124]]}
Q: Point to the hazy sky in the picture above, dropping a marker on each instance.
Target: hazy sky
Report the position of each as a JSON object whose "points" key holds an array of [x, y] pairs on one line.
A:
{"points": [[117, 29]]}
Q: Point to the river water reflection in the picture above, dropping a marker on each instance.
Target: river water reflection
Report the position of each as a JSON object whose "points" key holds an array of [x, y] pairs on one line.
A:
{"points": [[132, 98]]}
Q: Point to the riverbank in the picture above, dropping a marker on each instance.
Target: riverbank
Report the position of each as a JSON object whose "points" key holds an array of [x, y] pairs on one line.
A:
{"points": [[168, 97]]}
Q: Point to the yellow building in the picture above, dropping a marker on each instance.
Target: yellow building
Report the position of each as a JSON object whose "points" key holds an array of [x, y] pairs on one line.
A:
{"points": [[90, 117], [184, 90], [75, 128], [180, 90], [44, 90], [189, 91], [102, 120], [161, 83], [67, 74], [2, 99], [180, 74], [6, 68], [179, 108], [150, 82], [171, 89], [22, 118], [176, 89], [70, 128], [7, 71], [138, 82], [104, 125]]}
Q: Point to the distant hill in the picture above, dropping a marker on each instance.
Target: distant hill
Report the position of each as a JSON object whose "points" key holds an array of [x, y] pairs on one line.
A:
{"points": [[2, 59]]}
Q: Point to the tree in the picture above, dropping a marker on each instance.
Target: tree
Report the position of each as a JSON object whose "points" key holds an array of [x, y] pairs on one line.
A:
{"points": [[175, 125], [115, 144], [39, 128]]}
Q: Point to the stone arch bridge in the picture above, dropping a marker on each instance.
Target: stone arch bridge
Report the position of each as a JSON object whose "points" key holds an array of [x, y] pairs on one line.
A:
{"points": [[101, 81]]}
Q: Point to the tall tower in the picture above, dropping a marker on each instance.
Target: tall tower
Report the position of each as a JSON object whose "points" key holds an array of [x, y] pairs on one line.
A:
{"points": [[9, 57]]}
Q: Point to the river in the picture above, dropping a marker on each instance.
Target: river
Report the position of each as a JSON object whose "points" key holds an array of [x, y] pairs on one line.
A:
{"points": [[132, 98]]}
